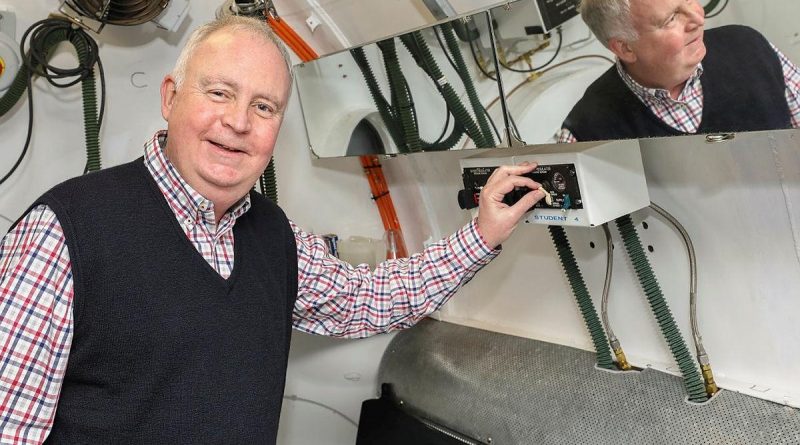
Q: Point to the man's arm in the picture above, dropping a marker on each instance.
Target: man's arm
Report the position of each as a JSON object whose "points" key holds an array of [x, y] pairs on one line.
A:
{"points": [[338, 299], [35, 326], [791, 78]]}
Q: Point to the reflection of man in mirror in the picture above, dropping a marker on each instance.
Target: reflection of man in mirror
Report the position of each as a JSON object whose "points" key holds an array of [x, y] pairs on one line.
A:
{"points": [[671, 78]]}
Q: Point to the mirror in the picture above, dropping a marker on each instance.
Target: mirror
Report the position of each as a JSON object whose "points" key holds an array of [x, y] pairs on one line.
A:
{"points": [[543, 76]]}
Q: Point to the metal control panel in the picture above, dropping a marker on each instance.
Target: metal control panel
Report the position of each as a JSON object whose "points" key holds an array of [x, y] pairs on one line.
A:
{"points": [[560, 181], [588, 183]]}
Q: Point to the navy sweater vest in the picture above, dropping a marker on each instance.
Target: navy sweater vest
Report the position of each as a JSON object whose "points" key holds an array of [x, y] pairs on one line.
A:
{"points": [[166, 351], [743, 90]]}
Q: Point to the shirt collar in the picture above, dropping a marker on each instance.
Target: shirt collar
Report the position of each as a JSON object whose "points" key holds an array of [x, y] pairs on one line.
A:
{"points": [[185, 202], [644, 93]]}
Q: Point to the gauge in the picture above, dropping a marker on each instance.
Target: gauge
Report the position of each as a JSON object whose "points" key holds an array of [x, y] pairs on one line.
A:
{"points": [[559, 182]]}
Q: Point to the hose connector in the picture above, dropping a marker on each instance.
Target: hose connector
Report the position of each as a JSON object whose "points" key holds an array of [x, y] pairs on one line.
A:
{"points": [[622, 361], [708, 376]]}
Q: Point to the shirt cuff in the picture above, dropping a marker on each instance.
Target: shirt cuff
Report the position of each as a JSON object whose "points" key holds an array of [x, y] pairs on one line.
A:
{"points": [[471, 249]]}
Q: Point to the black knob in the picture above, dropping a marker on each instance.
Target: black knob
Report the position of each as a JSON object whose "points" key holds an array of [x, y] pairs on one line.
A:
{"points": [[467, 199]]}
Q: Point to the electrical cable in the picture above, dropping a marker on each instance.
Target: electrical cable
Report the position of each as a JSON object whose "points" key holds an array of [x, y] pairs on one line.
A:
{"points": [[478, 62], [537, 75], [41, 38], [296, 398], [444, 50], [702, 356], [494, 127]]}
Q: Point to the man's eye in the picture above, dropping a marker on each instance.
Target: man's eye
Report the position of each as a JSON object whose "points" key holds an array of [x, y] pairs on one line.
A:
{"points": [[264, 108]]}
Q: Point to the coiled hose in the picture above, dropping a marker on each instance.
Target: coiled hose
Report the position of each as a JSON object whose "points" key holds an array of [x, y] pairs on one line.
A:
{"points": [[647, 279], [582, 297], [44, 36]]}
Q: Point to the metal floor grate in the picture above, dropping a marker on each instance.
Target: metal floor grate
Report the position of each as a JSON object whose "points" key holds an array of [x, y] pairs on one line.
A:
{"points": [[516, 390]]}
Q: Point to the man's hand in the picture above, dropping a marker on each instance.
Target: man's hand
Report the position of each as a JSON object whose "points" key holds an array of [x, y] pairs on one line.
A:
{"points": [[496, 220]]}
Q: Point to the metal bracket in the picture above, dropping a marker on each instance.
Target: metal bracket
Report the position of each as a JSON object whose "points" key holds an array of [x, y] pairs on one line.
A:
{"points": [[91, 24]]}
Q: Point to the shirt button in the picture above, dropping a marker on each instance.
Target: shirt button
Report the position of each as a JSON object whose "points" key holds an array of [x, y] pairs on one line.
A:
{"points": [[189, 223], [203, 206]]}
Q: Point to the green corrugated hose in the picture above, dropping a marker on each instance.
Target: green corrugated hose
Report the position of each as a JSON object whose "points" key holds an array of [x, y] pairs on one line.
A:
{"points": [[391, 114], [581, 293], [401, 96], [268, 182], [463, 73], [384, 109], [90, 114], [419, 50], [647, 279], [710, 6]]}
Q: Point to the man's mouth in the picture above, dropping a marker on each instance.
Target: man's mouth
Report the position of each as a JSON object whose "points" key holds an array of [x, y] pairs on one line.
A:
{"points": [[226, 147]]}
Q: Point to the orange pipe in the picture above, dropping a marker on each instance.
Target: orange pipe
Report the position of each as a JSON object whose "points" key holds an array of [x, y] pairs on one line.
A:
{"points": [[372, 167]]}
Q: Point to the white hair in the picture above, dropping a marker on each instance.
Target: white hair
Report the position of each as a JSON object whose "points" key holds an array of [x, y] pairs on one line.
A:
{"points": [[609, 19], [228, 22]]}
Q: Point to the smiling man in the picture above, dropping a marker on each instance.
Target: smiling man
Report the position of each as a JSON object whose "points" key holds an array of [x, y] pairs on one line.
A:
{"points": [[153, 302], [672, 78]]}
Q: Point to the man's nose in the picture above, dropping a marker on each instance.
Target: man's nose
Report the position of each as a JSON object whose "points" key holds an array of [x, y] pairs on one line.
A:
{"points": [[695, 16], [237, 117]]}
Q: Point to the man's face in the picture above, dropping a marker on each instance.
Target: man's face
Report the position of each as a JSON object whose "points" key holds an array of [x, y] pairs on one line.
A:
{"points": [[670, 43], [224, 118]]}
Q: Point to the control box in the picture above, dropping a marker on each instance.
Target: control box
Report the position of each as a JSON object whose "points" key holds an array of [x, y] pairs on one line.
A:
{"points": [[588, 183]]}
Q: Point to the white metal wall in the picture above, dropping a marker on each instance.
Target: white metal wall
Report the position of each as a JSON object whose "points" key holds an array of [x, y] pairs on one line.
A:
{"points": [[332, 196]]}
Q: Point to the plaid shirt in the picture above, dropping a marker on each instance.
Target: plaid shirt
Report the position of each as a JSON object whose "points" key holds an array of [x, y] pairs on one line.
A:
{"points": [[685, 112], [334, 298]]}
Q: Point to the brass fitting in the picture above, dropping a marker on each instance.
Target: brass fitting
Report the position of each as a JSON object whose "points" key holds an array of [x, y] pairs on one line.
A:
{"points": [[622, 362], [708, 376]]}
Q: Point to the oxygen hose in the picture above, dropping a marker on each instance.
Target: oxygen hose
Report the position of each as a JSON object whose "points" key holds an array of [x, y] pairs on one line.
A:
{"points": [[463, 73], [458, 126], [616, 346], [268, 182], [402, 101], [44, 36], [581, 293], [647, 279], [710, 6], [421, 53], [702, 355], [390, 115], [384, 109]]}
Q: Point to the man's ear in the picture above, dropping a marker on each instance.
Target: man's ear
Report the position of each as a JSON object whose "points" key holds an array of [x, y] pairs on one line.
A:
{"points": [[622, 50], [167, 96]]}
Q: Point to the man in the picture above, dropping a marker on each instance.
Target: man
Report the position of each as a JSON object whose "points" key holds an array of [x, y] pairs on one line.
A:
{"points": [[671, 78], [153, 302]]}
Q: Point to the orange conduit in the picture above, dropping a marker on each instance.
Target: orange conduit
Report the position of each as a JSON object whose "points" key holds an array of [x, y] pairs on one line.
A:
{"points": [[372, 167]]}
